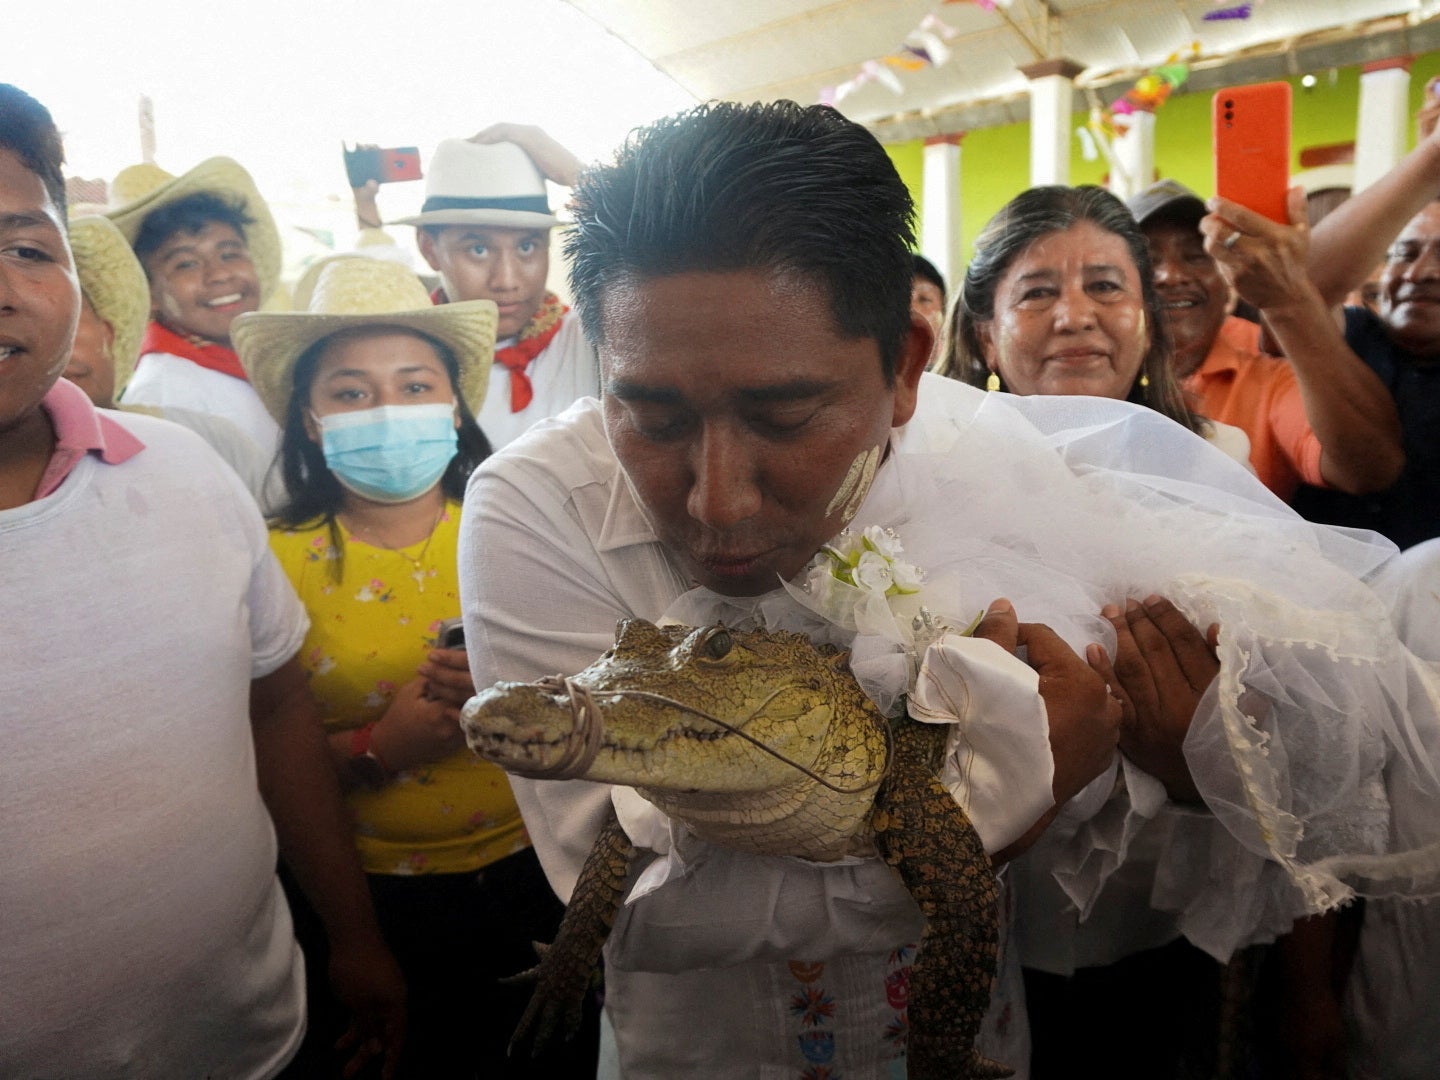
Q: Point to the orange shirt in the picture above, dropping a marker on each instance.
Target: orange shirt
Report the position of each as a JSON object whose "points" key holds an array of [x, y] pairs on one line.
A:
{"points": [[1237, 384]]}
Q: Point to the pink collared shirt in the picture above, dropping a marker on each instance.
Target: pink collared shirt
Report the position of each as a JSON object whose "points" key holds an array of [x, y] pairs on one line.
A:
{"points": [[80, 428]]}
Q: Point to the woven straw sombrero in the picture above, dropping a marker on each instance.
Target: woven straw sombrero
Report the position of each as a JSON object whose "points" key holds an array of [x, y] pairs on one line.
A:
{"points": [[136, 181], [223, 176], [352, 292], [114, 283]]}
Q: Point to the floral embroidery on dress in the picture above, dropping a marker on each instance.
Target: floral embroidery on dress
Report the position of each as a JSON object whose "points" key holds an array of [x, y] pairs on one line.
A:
{"points": [[367, 638], [375, 589], [897, 994], [413, 863], [812, 1006], [319, 663]]}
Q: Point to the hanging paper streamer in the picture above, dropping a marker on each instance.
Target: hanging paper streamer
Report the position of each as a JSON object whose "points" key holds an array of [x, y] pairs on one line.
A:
{"points": [[923, 47], [1239, 11], [1149, 93], [874, 71]]}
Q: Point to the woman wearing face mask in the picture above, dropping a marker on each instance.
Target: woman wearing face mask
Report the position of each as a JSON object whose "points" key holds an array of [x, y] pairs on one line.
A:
{"points": [[376, 392]]}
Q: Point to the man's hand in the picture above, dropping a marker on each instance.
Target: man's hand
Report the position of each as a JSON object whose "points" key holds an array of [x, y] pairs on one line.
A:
{"points": [[1266, 265], [1425, 119], [555, 162], [1084, 718], [367, 208], [368, 982], [1162, 668]]}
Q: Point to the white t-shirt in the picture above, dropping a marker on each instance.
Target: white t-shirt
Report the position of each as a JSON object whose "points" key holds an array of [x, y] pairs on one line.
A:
{"points": [[562, 373], [169, 381], [144, 931], [251, 464]]}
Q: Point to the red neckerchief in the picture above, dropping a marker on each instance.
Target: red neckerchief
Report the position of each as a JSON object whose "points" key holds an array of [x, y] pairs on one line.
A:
{"points": [[529, 343], [192, 347]]}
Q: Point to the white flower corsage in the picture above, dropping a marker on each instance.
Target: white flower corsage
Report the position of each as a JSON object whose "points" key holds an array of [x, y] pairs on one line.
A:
{"points": [[862, 584]]}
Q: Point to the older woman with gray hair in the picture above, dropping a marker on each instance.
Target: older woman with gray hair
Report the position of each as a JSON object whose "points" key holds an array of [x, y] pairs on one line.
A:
{"points": [[1060, 299]]}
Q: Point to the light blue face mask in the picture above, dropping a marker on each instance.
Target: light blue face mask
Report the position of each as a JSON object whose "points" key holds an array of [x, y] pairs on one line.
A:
{"points": [[390, 454]]}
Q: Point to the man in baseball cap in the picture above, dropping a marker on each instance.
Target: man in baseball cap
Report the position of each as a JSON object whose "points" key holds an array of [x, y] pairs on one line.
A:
{"points": [[1322, 417]]}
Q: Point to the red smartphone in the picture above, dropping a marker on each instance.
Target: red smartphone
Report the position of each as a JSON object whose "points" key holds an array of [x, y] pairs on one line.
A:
{"points": [[1251, 139], [384, 165]]}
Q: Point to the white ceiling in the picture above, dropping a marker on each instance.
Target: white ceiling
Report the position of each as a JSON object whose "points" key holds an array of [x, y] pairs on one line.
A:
{"points": [[756, 50]]}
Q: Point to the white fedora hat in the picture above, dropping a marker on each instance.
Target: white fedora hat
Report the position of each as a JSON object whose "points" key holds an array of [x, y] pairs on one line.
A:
{"points": [[483, 184]]}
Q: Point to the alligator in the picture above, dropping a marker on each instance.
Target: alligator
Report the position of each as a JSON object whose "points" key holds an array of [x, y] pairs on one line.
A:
{"points": [[760, 741]]}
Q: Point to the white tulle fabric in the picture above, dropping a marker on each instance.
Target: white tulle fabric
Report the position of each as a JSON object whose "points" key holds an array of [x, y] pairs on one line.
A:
{"points": [[1314, 749]]}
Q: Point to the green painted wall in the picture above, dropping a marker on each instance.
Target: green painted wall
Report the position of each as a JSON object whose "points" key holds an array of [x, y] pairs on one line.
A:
{"points": [[995, 162]]}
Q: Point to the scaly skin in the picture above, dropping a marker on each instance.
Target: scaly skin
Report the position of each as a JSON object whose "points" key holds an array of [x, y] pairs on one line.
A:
{"points": [[922, 832], [567, 967], [658, 695]]}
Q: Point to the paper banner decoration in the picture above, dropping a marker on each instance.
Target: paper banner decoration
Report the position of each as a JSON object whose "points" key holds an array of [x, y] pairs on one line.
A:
{"points": [[1148, 94], [925, 46], [1239, 11], [874, 71]]}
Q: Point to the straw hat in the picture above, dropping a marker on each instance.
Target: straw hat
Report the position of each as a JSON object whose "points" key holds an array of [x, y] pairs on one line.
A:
{"points": [[114, 283], [134, 181], [355, 292], [483, 184], [220, 175]]}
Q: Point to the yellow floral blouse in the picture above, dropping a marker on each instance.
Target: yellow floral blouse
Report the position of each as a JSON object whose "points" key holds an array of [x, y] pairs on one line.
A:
{"points": [[369, 633]]}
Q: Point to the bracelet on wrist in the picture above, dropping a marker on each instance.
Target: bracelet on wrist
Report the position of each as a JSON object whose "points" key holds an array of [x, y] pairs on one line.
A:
{"points": [[366, 759]]}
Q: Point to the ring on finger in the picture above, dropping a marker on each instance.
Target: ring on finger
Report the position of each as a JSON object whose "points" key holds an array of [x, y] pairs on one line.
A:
{"points": [[1231, 240]]}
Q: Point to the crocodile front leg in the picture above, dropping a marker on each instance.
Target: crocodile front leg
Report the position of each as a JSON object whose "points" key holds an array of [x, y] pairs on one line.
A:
{"points": [[922, 832], [567, 967]]}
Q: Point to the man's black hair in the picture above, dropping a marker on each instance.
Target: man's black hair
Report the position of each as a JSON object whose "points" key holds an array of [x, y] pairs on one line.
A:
{"points": [[28, 131], [926, 270], [188, 215], [778, 187]]}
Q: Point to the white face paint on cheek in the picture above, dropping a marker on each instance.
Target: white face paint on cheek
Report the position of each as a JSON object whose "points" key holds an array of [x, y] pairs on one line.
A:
{"points": [[856, 485], [169, 305]]}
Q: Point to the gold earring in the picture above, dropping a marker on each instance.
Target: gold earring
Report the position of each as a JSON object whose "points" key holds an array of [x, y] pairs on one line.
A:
{"points": [[1144, 381], [992, 382]]}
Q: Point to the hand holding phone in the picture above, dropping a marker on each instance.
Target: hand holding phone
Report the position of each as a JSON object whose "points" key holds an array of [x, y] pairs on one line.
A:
{"points": [[1251, 138], [451, 634], [384, 165]]}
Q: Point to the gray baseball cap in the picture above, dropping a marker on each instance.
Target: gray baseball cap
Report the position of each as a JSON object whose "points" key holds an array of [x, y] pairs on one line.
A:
{"points": [[1167, 199]]}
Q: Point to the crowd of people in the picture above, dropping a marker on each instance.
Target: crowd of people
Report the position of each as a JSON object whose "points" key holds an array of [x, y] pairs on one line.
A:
{"points": [[295, 525]]}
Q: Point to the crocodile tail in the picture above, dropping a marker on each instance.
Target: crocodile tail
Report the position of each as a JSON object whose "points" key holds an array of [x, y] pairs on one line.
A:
{"points": [[567, 968], [924, 834]]}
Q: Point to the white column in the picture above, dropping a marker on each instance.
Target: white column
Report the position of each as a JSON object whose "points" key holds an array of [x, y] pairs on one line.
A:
{"points": [[940, 239], [1135, 154], [1052, 92], [1382, 125]]}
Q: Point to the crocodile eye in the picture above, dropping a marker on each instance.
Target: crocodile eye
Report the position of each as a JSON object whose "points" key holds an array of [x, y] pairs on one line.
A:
{"points": [[717, 645]]}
